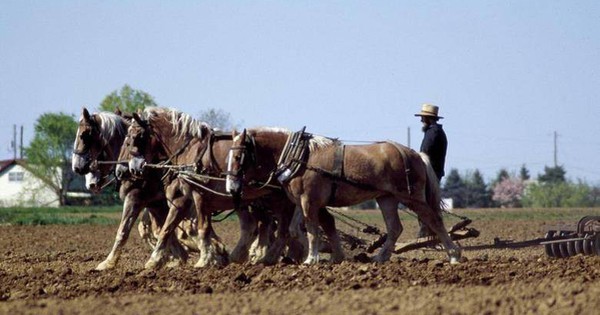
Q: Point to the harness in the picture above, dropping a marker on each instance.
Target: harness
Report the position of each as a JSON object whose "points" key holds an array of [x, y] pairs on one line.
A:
{"points": [[294, 154]]}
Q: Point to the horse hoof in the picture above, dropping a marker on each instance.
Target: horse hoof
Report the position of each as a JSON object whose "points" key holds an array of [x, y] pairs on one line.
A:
{"points": [[311, 261], [454, 261], [152, 264], [174, 263], [105, 265]]}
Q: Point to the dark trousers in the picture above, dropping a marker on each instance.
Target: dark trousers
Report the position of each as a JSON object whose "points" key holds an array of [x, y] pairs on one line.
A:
{"points": [[424, 230]]}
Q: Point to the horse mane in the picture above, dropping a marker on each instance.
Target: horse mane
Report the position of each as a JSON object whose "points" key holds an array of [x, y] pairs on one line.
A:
{"points": [[182, 123], [315, 143], [110, 124]]}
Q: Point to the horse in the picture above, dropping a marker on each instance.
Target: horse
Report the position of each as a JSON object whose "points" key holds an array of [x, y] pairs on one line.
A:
{"points": [[167, 138], [334, 174], [98, 141]]}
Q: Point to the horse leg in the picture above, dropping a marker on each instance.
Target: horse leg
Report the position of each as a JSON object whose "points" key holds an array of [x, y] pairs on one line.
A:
{"points": [[311, 221], [283, 214], [177, 209], [150, 225], [434, 221], [389, 210], [327, 222], [176, 252], [131, 210], [263, 242], [212, 250], [146, 228], [248, 226], [187, 233]]}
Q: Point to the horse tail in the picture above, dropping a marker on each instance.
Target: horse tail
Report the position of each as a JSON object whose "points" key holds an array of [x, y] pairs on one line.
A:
{"points": [[433, 193]]}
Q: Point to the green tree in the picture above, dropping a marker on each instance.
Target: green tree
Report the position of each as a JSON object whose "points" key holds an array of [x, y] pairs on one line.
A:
{"points": [[524, 173], [455, 188], [553, 175], [127, 100], [478, 196], [49, 153], [217, 118]]}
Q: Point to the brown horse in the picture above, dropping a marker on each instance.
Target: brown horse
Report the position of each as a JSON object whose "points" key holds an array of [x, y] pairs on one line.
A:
{"points": [[98, 141], [342, 175], [167, 138]]}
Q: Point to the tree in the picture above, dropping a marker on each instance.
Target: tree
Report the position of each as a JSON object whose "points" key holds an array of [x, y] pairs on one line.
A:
{"points": [[509, 192], [478, 195], [49, 153], [127, 100], [455, 188], [524, 173], [553, 175], [217, 118]]}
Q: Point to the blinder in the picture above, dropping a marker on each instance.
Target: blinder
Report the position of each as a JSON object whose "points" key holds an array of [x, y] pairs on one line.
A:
{"points": [[247, 157]]}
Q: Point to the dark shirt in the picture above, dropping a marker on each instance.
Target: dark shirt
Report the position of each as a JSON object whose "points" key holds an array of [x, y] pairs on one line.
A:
{"points": [[434, 145]]}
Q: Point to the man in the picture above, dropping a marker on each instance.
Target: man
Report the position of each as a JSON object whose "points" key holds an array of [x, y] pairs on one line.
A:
{"points": [[434, 144]]}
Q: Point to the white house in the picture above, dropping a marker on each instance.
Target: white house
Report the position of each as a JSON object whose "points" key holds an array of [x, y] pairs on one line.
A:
{"points": [[20, 187]]}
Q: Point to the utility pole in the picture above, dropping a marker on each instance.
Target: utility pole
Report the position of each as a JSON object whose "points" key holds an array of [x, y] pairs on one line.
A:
{"points": [[14, 142], [408, 141], [555, 150], [21, 144]]}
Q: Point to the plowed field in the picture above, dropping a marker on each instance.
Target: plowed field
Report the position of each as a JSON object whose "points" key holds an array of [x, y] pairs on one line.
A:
{"points": [[49, 270]]}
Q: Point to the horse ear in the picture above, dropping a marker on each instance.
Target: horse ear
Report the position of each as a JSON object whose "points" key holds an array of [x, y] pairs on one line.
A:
{"points": [[233, 133], [244, 133], [118, 111], [85, 114], [137, 118]]}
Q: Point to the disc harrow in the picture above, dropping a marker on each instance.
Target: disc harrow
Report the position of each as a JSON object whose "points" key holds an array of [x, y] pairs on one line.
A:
{"points": [[566, 243]]}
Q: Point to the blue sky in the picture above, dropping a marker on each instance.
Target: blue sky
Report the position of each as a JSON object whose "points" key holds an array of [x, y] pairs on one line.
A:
{"points": [[506, 74]]}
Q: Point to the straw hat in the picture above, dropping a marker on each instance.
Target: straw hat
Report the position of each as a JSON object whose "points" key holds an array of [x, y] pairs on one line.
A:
{"points": [[429, 110]]}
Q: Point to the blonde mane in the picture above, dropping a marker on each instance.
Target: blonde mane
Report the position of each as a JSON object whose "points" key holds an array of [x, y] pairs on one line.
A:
{"points": [[110, 125], [182, 123]]}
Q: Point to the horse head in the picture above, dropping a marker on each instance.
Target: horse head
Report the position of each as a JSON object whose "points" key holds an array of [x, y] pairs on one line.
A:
{"points": [[98, 136], [158, 135], [241, 157], [87, 143]]}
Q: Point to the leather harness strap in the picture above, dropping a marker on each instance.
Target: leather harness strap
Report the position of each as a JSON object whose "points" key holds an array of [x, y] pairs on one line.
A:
{"points": [[338, 169], [405, 161]]}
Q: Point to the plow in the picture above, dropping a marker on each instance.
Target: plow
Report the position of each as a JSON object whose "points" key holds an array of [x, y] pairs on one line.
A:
{"points": [[560, 242]]}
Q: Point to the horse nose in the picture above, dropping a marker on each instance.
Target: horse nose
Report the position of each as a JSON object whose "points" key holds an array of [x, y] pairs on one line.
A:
{"points": [[81, 170], [93, 187], [120, 171], [136, 165], [232, 186]]}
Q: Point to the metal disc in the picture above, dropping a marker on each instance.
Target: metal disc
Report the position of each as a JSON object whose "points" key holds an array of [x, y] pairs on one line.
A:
{"points": [[587, 247], [579, 247], [548, 247], [571, 248], [556, 246]]}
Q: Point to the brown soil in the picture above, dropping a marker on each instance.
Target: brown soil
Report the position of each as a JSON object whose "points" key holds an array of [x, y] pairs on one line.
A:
{"points": [[49, 270]]}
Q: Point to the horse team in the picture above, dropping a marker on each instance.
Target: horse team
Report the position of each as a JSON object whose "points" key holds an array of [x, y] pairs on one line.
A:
{"points": [[179, 171]]}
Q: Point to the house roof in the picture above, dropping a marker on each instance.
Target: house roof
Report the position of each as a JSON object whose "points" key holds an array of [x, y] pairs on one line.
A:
{"points": [[4, 164]]}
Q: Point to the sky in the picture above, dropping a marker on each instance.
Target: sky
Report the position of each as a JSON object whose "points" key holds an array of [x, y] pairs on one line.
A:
{"points": [[507, 75]]}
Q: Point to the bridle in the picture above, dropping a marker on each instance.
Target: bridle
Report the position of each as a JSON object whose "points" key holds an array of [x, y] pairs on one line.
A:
{"points": [[247, 157], [84, 153], [158, 161]]}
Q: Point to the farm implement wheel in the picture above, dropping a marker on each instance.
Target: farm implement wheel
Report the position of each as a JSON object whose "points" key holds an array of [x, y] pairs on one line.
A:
{"points": [[566, 243], [596, 244], [587, 246], [556, 250], [548, 247], [571, 248]]}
